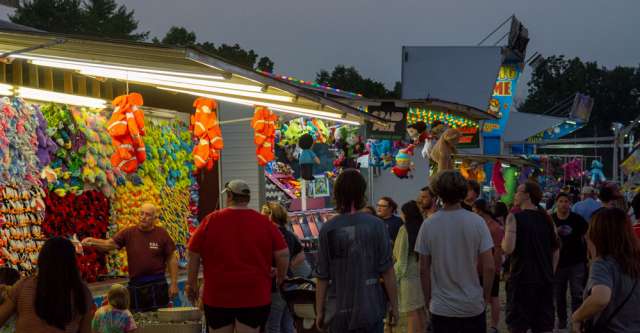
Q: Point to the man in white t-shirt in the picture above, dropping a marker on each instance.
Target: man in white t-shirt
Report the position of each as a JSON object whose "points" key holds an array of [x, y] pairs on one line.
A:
{"points": [[452, 244]]}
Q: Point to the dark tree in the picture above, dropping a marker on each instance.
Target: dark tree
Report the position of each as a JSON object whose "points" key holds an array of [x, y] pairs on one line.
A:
{"points": [[616, 91], [99, 18], [265, 64], [63, 16], [179, 36], [349, 79]]}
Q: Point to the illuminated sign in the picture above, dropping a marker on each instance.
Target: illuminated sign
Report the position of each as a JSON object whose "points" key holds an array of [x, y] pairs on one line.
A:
{"points": [[502, 99], [470, 137]]}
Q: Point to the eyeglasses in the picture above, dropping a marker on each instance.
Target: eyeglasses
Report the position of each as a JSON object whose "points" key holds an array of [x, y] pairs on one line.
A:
{"points": [[382, 206]]}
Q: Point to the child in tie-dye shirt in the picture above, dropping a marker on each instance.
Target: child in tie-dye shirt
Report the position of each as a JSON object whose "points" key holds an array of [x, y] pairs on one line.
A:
{"points": [[114, 317]]}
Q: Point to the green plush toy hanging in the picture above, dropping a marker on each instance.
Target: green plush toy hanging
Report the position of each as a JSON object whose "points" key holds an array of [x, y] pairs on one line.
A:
{"points": [[510, 184]]}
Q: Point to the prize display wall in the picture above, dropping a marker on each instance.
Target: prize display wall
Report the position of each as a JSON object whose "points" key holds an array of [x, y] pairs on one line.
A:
{"points": [[57, 178]]}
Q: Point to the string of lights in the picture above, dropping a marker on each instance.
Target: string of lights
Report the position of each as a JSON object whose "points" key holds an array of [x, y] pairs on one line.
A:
{"points": [[429, 116]]}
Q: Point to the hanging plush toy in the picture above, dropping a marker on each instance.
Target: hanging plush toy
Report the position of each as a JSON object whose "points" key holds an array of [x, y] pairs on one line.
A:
{"points": [[417, 132], [126, 128], [597, 176], [632, 163], [472, 170], [403, 166], [572, 169], [444, 149], [525, 173], [307, 157], [497, 179], [206, 129], [510, 185], [264, 126], [347, 142]]}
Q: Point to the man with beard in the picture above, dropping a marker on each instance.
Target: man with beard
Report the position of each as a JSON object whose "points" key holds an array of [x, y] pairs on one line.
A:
{"points": [[427, 202]]}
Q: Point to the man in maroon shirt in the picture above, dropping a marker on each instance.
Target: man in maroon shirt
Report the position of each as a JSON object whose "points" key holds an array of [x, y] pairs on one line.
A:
{"points": [[150, 250], [236, 246]]}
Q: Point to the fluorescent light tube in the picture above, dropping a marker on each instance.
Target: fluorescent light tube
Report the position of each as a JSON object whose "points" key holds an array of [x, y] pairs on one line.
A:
{"points": [[151, 78], [6, 89], [275, 107], [338, 120], [50, 96], [60, 63]]}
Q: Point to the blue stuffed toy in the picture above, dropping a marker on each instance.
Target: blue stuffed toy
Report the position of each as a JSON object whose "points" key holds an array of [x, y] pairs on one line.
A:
{"points": [[597, 176]]}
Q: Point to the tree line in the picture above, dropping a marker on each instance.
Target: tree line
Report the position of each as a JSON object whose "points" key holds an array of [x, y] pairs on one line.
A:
{"points": [[107, 19]]}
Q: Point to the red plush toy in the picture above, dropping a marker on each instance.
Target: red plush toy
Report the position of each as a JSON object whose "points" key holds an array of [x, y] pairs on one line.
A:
{"points": [[86, 215]]}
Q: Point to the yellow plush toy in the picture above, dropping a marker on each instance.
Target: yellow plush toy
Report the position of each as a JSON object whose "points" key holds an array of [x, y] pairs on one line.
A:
{"points": [[444, 149]]}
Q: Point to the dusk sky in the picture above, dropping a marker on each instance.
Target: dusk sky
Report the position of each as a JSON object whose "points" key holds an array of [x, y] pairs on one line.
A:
{"points": [[303, 36]]}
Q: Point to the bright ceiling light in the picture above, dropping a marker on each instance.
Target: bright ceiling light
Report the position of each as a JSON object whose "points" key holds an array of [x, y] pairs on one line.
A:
{"points": [[50, 96], [60, 63], [152, 78], [344, 121], [273, 97], [6, 89], [276, 107]]}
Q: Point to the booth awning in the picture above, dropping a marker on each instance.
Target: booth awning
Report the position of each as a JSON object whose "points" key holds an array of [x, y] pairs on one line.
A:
{"points": [[177, 69], [458, 109], [508, 159]]}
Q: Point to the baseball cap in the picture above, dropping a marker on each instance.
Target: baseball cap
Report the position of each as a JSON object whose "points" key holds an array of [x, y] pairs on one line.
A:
{"points": [[588, 190], [237, 186]]}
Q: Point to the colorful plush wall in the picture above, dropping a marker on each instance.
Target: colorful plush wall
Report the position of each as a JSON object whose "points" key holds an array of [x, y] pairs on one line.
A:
{"points": [[56, 179]]}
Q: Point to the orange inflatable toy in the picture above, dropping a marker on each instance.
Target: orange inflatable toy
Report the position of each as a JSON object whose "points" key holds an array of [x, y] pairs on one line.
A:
{"points": [[206, 128], [126, 128], [264, 127]]}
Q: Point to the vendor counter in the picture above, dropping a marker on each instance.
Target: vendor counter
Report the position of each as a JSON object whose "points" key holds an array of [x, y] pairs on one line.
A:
{"points": [[100, 289]]}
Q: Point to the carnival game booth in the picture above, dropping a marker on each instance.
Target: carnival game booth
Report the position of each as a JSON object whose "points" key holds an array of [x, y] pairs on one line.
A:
{"points": [[398, 172], [186, 129]]}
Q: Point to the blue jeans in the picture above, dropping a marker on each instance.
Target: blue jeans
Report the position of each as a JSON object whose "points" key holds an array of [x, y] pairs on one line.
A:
{"points": [[575, 277], [280, 319]]}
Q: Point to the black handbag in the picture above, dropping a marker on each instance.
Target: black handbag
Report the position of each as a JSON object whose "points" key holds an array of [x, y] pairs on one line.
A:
{"points": [[600, 325]]}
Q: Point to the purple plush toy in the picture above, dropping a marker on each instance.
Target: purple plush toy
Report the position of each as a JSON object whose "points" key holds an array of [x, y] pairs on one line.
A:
{"points": [[46, 146]]}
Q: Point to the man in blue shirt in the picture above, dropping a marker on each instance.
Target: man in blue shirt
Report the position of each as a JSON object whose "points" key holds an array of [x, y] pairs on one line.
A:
{"points": [[386, 210], [588, 205]]}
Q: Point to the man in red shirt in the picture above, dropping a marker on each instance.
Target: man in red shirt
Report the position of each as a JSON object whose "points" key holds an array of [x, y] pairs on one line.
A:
{"points": [[236, 246], [150, 250]]}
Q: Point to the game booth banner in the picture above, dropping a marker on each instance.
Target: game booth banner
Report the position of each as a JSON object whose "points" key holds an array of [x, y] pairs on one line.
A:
{"points": [[396, 122]]}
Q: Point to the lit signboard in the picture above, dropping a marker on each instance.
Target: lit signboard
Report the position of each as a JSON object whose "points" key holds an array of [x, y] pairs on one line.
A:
{"points": [[502, 99]]}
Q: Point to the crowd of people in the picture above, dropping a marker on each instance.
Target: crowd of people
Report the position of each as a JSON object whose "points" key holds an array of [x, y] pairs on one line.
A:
{"points": [[436, 261], [449, 250]]}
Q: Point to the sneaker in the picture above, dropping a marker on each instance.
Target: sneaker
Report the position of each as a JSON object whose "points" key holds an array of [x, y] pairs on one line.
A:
{"points": [[492, 330]]}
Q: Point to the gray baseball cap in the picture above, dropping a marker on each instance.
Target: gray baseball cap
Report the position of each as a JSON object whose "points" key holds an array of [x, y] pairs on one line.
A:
{"points": [[237, 186]]}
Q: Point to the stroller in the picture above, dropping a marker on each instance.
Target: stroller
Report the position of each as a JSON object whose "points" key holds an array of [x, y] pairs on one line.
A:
{"points": [[300, 295]]}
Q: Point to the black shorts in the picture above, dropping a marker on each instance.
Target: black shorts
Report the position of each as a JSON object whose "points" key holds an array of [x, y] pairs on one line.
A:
{"points": [[221, 317], [495, 288], [530, 307]]}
